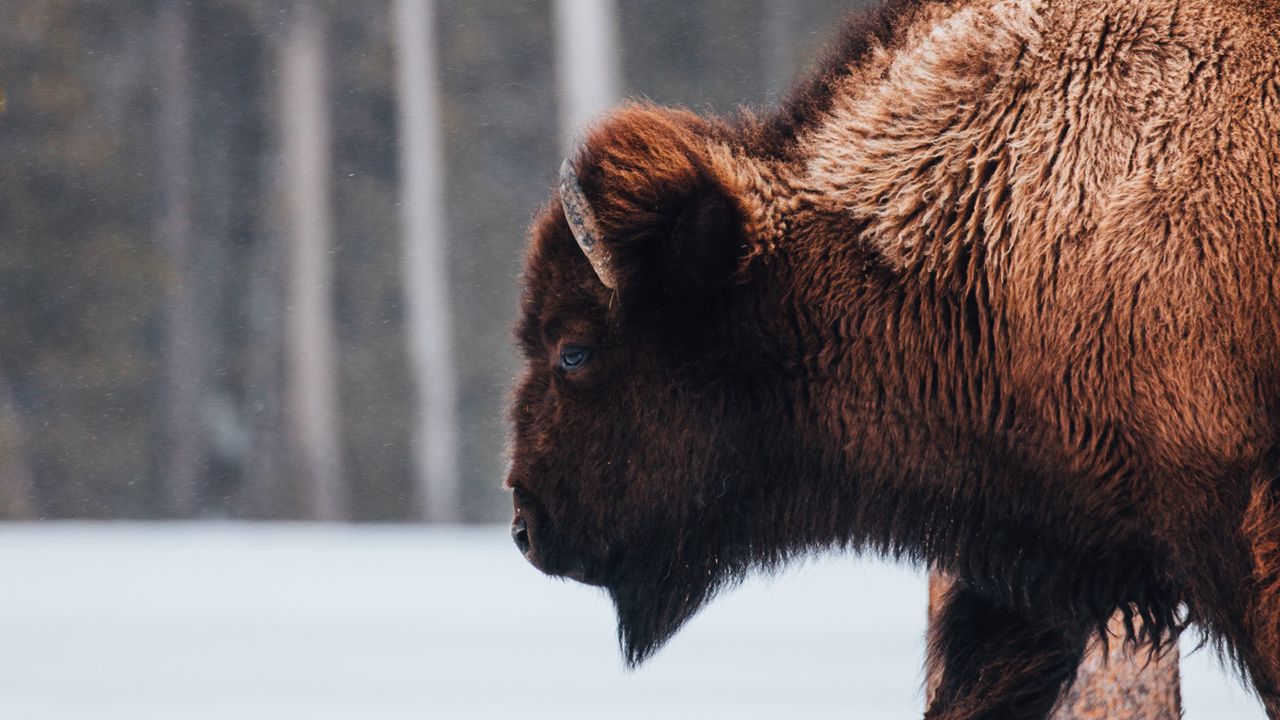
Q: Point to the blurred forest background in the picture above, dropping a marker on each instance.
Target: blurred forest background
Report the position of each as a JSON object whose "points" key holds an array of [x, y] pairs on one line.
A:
{"points": [[260, 258]]}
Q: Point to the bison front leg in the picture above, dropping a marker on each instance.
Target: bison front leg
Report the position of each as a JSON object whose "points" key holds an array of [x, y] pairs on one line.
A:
{"points": [[995, 663], [1258, 638]]}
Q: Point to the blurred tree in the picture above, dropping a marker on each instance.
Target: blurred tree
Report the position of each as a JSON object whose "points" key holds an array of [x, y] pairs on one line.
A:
{"points": [[503, 152], [182, 442], [375, 382], [588, 79], [236, 248], [715, 55], [309, 334], [240, 57], [429, 321], [703, 55], [17, 482], [79, 267]]}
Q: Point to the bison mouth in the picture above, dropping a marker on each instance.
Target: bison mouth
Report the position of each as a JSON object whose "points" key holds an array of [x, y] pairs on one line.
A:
{"points": [[520, 533], [657, 582], [536, 540]]}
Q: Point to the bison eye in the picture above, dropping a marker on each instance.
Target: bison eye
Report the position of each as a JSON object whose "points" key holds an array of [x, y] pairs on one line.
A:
{"points": [[573, 358]]}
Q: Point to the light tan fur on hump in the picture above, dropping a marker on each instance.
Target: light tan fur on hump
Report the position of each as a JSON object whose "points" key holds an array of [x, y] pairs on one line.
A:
{"points": [[1020, 121], [907, 135], [1130, 143]]}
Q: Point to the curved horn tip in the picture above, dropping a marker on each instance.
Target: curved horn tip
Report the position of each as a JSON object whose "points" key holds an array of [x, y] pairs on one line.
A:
{"points": [[582, 223]]}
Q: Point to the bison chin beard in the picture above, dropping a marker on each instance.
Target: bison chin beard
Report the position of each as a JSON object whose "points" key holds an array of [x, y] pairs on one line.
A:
{"points": [[655, 600]]}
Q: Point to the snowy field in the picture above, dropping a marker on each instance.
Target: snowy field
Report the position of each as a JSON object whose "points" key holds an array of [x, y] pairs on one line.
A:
{"points": [[186, 622]]}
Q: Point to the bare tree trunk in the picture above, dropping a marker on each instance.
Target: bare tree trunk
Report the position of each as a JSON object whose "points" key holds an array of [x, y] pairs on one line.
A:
{"points": [[266, 493], [586, 64], [426, 262], [311, 394], [17, 479], [1120, 685], [183, 451]]}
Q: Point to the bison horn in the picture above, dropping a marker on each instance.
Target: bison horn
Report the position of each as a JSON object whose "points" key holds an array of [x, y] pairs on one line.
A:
{"points": [[582, 221]]}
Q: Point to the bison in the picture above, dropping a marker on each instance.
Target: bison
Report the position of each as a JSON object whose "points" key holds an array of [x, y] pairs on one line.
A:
{"points": [[997, 291]]}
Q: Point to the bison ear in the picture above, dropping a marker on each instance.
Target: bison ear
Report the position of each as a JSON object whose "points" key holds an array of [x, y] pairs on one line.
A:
{"points": [[650, 211]]}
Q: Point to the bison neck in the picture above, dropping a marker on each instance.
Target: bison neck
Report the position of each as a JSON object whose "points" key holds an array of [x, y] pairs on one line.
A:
{"points": [[903, 438]]}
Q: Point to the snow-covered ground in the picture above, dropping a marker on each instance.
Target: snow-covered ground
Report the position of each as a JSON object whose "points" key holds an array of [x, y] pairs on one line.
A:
{"points": [[295, 621]]}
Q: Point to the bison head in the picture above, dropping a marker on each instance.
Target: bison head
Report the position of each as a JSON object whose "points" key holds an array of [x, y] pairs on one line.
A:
{"points": [[635, 441]]}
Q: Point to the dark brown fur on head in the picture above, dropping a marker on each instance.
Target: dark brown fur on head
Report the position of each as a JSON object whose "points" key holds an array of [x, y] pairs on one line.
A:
{"points": [[984, 295], [635, 456]]}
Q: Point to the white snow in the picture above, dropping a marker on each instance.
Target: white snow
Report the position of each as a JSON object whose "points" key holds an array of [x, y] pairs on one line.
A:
{"points": [[303, 621]]}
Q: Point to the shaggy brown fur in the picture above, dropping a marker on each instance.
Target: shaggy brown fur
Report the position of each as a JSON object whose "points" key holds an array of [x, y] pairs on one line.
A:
{"points": [[998, 291]]}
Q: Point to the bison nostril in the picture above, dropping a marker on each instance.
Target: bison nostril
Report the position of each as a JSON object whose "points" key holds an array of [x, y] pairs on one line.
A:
{"points": [[520, 533]]}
